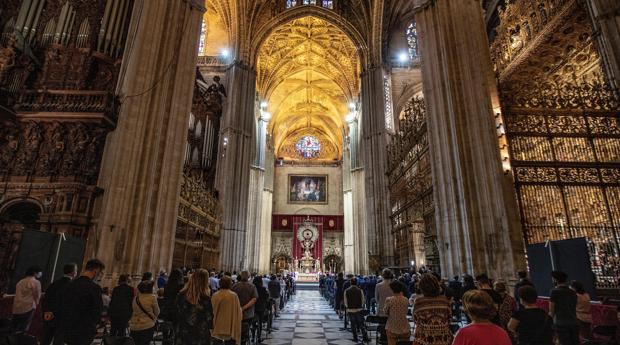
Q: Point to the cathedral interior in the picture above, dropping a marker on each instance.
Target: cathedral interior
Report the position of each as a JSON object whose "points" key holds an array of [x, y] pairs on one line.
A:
{"points": [[311, 136]]}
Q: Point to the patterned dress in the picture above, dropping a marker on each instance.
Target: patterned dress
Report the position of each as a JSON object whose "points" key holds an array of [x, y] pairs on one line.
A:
{"points": [[506, 309], [432, 319]]}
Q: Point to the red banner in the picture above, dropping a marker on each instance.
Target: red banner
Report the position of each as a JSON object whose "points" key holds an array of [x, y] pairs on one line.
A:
{"points": [[285, 222], [298, 221]]}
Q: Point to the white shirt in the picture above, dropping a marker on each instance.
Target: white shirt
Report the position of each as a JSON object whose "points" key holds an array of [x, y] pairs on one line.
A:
{"points": [[27, 295], [214, 283]]}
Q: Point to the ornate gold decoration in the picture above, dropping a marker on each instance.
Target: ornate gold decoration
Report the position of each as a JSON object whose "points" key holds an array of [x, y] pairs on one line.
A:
{"points": [[307, 70], [550, 40]]}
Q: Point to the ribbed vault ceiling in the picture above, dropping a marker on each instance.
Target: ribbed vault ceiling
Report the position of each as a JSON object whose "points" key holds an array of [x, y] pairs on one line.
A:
{"points": [[307, 71]]}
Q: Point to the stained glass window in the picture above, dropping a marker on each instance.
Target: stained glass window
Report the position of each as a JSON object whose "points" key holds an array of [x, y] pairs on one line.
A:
{"points": [[412, 41], [308, 147], [203, 37], [291, 3], [309, 2], [328, 4]]}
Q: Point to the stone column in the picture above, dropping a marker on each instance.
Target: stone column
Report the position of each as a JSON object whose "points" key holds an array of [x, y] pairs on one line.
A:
{"points": [[373, 145], [233, 176], [266, 213], [477, 225], [143, 159], [606, 20]]}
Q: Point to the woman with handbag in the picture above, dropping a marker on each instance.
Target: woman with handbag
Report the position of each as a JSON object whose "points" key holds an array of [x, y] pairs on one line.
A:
{"points": [[195, 312], [145, 312]]}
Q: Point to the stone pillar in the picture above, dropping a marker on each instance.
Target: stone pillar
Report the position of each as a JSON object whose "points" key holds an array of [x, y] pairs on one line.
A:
{"points": [[477, 225], [143, 159], [373, 145], [233, 175], [350, 240], [266, 212], [606, 20]]}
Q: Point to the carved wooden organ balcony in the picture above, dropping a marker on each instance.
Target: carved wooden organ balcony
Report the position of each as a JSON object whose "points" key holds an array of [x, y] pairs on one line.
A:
{"points": [[199, 216], [59, 65]]}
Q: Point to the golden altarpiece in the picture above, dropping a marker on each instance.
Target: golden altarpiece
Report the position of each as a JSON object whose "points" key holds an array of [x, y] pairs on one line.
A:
{"points": [[560, 128]]}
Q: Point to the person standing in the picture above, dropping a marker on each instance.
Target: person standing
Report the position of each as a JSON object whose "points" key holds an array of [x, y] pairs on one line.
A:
{"points": [[523, 281], [145, 312], [563, 310], [531, 324], [27, 296], [162, 279], [484, 284], [51, 305], [584, 315], [339, 288], [83, 305], [120, 306], [173, 286], [480, 308], [260, 308], [383, 290], [396, 308], [214, 282], [354, 302], [274, 293], [247, 294], [508, 305], [227, 314], [195, 319], [431, 314]]}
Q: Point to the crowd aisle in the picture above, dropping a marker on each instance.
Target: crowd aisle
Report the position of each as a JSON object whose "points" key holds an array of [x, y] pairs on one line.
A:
{"points": [[308, 319]]}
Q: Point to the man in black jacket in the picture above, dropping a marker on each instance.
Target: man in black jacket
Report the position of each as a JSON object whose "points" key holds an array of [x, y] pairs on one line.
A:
{"points": [[121, 306], [83, 305], [354, 302], [51, 305]]}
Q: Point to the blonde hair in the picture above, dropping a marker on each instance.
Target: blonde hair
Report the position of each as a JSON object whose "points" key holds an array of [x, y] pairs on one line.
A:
{"points": [[197, 286], [479, 305]]}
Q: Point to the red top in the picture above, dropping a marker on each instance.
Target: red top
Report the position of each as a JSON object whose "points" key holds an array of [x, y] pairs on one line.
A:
{"points": [[481, 334]]}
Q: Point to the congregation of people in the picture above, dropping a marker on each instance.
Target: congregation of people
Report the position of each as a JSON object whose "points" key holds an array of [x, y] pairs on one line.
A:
{"points": [[201, 307], [189, 307], [465, 310]]}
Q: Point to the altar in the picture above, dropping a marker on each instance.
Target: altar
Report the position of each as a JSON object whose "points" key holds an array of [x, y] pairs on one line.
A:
{"points": [[307, 277], [307, 267]]}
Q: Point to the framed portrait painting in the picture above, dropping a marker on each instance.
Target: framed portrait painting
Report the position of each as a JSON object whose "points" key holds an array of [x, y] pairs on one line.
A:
{"points": [[307, 189]]}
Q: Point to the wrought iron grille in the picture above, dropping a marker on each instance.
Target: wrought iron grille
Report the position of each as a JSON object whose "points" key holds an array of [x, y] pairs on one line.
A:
{"points": [[564, 142]]}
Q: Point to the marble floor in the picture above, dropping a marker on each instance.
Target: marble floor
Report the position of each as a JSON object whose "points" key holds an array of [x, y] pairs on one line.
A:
{"points": [[308, 319]]}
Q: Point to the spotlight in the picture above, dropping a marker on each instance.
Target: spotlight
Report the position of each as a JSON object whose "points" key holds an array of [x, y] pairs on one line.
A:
{"points": [[225, 53], [352, 106], [350, 117], [403, 57], [266, 115], [263, 105]]}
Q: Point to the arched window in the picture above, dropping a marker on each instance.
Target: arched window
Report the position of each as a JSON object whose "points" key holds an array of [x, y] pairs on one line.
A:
{"points": [[389, 112], [203, 38], [412, 41], [328, 4], [291, 3], [309, 2]]}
